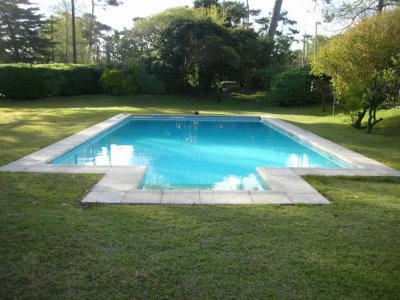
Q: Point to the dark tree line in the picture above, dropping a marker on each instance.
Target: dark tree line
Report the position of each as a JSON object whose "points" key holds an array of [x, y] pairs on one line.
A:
{"points": [[23, 33]]}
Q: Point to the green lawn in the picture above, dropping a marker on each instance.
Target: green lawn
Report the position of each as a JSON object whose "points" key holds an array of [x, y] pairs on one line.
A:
{"points": [[51, 247]]}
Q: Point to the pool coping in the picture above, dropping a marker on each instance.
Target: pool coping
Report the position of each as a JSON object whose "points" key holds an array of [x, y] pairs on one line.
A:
{"points": [[120, 184]]}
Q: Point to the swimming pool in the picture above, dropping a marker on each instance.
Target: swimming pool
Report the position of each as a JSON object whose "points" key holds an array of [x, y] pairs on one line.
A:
{"points": [[219, 153]]}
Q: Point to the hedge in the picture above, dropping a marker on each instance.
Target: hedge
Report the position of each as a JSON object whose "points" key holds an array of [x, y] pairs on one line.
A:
{"points": [[294, 87], [130, 80], [26, 81]]}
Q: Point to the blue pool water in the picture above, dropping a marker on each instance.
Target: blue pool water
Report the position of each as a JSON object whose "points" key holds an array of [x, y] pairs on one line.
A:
{"points": [[198, 153]]}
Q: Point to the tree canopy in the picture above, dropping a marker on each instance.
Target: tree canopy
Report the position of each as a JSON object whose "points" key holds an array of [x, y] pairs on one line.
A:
{"points": [[22, 32], [363, 65]]}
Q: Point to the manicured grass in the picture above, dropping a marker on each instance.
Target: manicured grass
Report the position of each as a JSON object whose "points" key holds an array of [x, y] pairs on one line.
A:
{"points": [[43, 122], [51, 247]]}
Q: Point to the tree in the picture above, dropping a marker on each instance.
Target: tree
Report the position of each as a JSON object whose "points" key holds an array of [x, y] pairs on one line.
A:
{"points": [[22, 32], [130, 44], [350, 12], [95, 3], [237, 12], [364, 66], [94, 33], [254, 52], [194, 54], [73, 22], [276, 13], [205, 3]]}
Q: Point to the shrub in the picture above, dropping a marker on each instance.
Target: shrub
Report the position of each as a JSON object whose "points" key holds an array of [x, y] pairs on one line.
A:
{"points": [[82, 80], [146, 83], [293, 88], [118, 82], [264, 78], [25, 81], [130, 81]]}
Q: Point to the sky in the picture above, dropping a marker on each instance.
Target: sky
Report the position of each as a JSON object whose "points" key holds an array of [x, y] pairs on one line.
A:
{"points": [[303, 11]]}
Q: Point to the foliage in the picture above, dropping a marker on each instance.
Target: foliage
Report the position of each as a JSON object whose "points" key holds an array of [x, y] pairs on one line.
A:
{"points": [[91, 35], [265, 77], [350, 12], [194, 53], [237, 13], [361, 78], [293, 87], [24, 81], [81, 80], [118, 82], [205, 3], [254, 53], [323, 89], [22, 32]]}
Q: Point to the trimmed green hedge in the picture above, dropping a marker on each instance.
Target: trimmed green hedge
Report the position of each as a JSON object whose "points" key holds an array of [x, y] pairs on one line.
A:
{"points": [[294, 87], [130, 80], [25, 81]]}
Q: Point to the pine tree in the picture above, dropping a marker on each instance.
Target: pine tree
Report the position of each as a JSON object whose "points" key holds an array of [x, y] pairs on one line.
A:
{"points": [[22, 33]]}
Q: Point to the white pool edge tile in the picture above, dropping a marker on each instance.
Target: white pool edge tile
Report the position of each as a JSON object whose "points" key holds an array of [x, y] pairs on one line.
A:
{"points": [[120, 184]]}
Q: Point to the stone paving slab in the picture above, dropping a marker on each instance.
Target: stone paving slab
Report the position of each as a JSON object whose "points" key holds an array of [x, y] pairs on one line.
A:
{"points": [[269, 197], [180, 197], [120, 184], [114, 187], [232, 197], [104, 197], [142, 197], [307, 198]]}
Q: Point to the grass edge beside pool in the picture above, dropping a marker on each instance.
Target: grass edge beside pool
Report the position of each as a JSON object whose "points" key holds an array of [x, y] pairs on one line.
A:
{"points": [[52, 248]]}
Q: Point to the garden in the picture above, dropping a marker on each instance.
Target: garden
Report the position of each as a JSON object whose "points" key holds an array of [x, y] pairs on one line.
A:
{"points": [[52, 246]]}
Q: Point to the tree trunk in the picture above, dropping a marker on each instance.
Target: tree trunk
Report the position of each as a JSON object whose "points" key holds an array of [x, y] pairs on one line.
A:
{"points": [[276, 13], [91, 30], [74, 53], [66, 37], [360, 117], [248, 12], [372, 121], [381, 4]]}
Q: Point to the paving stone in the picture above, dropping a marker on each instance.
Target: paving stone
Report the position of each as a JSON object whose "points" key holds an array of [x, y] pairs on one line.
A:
{"points": [[364, 172], [269, 197], [13, 168], [307, 198], [142, 197], [127, 179], [180, 197], [95, 169], [120, 182], [389, 172], [232, 197], [59, 169], [289, 184], [323, 172], [104, 197], [127, 170], [207, 197], [114, 187], [276, 171]]}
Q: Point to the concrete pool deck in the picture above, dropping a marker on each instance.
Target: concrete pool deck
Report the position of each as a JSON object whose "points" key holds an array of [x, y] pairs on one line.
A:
{"points": [[120, 184]]}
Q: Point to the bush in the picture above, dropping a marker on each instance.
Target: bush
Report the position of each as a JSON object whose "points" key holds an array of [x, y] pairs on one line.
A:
{"points": [[130, 81], [146, 83], [294, 88], [82, 80], [264, 78], [25, 81], [118, 82]]}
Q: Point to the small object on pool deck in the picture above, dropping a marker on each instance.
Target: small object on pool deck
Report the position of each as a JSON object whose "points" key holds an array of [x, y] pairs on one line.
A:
{"points": [[196, 112]]}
